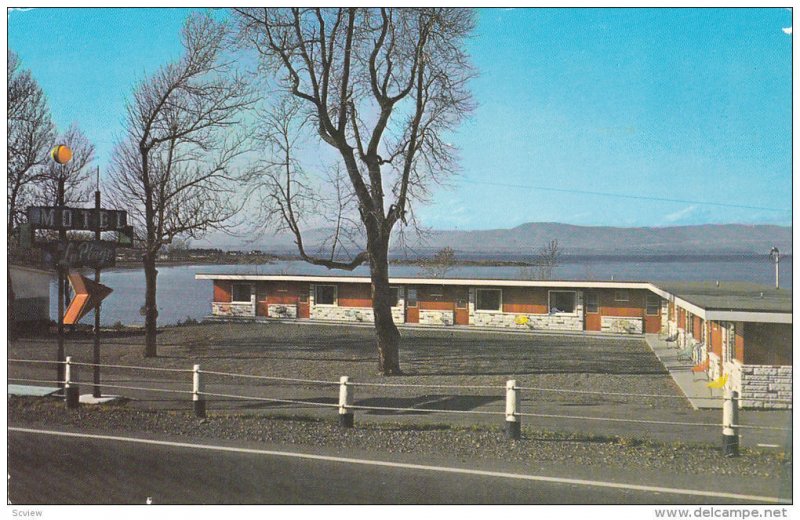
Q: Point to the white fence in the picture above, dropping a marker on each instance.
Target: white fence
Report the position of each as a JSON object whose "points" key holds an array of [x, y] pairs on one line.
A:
{"points": [[196, 392]]}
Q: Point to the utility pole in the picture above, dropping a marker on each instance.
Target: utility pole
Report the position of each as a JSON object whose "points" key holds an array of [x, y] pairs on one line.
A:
{"points": [[775, 256]]}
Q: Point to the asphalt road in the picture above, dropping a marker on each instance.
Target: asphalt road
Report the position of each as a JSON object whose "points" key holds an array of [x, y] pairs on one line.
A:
{"points": [[54, 469]]}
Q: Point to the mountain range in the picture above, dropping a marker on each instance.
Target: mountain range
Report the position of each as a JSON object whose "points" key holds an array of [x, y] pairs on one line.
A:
{"points": [[526, 239]]}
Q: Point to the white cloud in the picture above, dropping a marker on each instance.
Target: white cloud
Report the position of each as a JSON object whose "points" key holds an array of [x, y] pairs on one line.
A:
{"points": [[788, 30], [680, 214], [20, 9]]}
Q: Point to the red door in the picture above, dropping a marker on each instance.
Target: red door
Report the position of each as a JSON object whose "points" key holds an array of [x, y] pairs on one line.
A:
{"points": [[461, 306], [591, 312], [261, 300], [412, 305], [303, 309]]}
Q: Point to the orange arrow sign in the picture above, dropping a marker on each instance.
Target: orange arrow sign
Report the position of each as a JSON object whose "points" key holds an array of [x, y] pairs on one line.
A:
{"points": [[88, 295]]}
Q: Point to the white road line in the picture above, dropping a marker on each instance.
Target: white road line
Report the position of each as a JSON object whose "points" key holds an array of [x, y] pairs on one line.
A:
{"points": [[441, 469]]}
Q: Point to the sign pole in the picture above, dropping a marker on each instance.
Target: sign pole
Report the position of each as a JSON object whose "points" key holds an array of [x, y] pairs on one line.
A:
{"points": [[62, 235], [96, 351]]}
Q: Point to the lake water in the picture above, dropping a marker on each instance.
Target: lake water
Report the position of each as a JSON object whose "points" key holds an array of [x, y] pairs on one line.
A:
{"points": [[181, 296]]}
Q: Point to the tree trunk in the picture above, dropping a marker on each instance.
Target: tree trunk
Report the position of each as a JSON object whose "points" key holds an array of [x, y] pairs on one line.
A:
{"points": [[388, 337], [151, 309]]}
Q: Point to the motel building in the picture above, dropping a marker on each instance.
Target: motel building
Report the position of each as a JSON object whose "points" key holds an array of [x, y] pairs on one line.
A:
{"points": [[736, 329]]}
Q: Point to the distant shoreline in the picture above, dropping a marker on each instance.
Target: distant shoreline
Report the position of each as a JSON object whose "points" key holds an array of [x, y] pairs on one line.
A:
{"points": [[476, 262]]}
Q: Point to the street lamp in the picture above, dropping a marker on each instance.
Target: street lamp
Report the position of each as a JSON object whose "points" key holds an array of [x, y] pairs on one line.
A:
{"points": [[61, 154], [775, 256]]}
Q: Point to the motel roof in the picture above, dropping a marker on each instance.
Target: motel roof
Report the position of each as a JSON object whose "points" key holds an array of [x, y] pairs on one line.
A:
{"points": [[731, 296], [730, 301], [471, 282]]}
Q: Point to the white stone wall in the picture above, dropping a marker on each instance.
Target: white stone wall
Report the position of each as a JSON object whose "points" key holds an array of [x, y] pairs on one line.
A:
{"points": [[432, 317], [527, 321], [352, 314], [355, 314], [497, 319], [278, 310], [763, 385], [621, 325], [233, 309]]}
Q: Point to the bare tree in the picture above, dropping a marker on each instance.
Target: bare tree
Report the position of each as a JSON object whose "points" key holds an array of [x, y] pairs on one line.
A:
{"points": [[175, 170], [546, 260], [440, 264], [30, 134], [381, 87]]}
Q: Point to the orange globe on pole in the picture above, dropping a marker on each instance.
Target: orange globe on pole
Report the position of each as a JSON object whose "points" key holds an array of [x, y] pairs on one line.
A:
{"points": [[61, 154]]}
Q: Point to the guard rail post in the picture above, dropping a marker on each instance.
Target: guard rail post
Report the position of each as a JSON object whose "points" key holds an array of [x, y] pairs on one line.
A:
{"points": [[72, 394], [345, 403], [198, 401], [513, 423], [730, 432]]}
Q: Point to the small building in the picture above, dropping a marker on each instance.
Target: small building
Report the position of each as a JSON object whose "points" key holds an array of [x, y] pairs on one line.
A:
{"points": [[742, 330], [737, 329], [613, 307], [31, 294]]}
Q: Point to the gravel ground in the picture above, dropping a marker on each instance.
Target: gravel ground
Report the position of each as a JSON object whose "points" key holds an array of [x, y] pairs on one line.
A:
{"points": [[605, 365], [484, 444], [608, 365]]}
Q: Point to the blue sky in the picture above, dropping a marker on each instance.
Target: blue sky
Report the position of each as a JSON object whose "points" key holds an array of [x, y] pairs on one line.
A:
{"points": [[621, 117]]}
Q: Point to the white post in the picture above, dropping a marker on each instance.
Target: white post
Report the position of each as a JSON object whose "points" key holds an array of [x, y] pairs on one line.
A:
{"points": [[71, 392], [67, 371], [345, 402], [730, 433], [198, 401], [513, 423], [777, 278]]}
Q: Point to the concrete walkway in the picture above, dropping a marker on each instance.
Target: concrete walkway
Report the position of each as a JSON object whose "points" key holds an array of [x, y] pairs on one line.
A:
{"points": [[693, 385]]}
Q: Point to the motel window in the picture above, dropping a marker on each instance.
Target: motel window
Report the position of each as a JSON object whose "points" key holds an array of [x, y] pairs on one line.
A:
{"points": [[395, 298], [562, 302], [241, 293], [488, 299], [412, 297], [689, 323], [621, 296], [324, 295], [592, 303], [653, 305]]}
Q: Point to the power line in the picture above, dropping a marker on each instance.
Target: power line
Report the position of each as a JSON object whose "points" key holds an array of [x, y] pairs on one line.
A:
{"points": [[623, 196]]}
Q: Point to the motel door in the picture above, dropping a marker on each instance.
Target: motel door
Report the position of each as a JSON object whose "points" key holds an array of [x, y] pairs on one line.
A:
{"points": [[412, 305], [261, 300], [303, 309], [461, 315], [652, 314], [591, 312]]}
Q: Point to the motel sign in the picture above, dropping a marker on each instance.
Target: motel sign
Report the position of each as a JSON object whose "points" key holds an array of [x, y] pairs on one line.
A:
{"points": [[77, 219]]}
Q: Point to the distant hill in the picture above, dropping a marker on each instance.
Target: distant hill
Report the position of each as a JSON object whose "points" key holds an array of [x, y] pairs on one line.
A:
{"points": [[525, 239], [708, 239]]}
